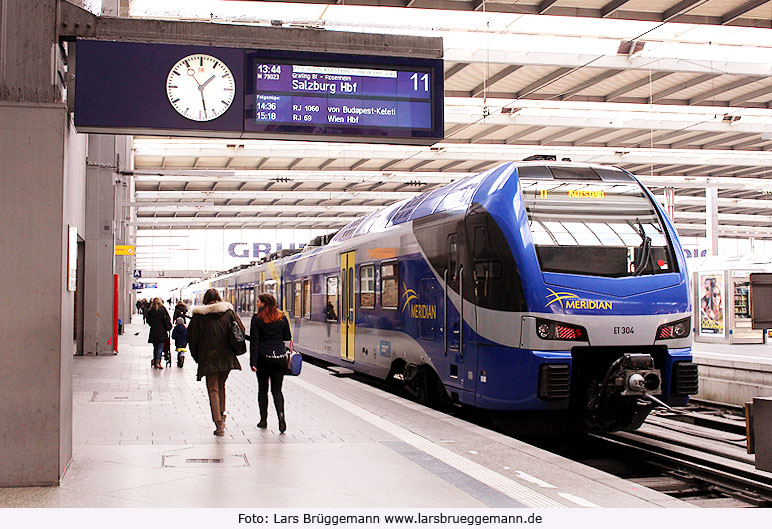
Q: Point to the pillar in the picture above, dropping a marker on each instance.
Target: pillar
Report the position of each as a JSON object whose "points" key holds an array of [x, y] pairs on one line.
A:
{"points": [[711, 219]]}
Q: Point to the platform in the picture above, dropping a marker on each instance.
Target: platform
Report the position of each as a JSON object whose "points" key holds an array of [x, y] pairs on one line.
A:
{"points": [[733, 374], [143, 438]]}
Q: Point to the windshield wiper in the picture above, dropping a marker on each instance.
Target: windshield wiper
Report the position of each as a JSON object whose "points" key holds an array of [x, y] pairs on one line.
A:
{"points": [[644, 251]]}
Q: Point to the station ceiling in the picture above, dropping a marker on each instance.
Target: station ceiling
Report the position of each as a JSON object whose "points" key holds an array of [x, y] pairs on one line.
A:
{"points": [[685, 104]]}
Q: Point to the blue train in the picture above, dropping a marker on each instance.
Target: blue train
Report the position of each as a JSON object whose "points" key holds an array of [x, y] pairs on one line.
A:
{"points": [[550, 287]]}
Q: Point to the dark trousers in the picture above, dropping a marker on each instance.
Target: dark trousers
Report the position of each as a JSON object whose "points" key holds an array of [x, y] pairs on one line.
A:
{"points": [[215, 385], [269, 376]]}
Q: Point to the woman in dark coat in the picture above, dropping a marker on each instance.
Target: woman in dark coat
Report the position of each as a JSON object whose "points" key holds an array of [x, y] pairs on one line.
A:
{"points": [[160, 325], [180, 311], [208, 340], [268, 331]]}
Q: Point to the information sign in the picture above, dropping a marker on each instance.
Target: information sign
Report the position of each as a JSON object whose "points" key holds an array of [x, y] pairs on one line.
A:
{"points": [[341, 95], [124, 249], [133, 87]]}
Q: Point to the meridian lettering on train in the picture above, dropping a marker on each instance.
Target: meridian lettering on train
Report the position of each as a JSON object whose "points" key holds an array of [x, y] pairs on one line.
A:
{"points": [[259, 249]]}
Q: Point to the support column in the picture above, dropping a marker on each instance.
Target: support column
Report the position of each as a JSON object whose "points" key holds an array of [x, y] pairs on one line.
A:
{"points": [[41, 195], [125, 233], [711, 219], [670, 203], [101, 166]]}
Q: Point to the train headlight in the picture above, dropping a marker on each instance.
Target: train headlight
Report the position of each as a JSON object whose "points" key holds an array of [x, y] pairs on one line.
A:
{"points": [[552, 330], [676, 329]]}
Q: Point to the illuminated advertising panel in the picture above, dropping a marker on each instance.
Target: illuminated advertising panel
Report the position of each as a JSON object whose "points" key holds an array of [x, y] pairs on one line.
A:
{"points": [[712, 321]]}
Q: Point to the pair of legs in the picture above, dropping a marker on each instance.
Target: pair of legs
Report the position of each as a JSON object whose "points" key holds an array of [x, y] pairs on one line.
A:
{"points": [[158, 351], [268, 376], [215, 385]]}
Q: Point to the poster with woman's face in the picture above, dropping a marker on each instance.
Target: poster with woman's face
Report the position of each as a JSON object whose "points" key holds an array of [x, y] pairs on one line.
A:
{"points": [[711, 287]]}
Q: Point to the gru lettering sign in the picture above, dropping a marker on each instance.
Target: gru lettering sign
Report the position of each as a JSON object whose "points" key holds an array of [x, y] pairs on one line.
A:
{"points": [[257, 250]]}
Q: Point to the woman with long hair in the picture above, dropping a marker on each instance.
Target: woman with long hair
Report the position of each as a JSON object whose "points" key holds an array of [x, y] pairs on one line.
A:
{"points": [[268, 331], [160, 324], [208, 339]]}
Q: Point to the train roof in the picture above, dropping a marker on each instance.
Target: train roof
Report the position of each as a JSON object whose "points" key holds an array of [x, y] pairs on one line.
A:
{"points": [[459, 194]]}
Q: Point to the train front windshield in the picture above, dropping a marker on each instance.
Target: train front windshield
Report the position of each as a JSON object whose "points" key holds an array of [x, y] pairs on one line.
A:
{"points": [[595, 227]]}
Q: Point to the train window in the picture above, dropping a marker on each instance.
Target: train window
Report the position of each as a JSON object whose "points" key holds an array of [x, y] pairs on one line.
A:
{"points": [[298, 305], [452, 257], [426, 311], [367, 286], [389, 285], [306, 298], [600, 228], [480, 242], [288, 298], [331, 305]]}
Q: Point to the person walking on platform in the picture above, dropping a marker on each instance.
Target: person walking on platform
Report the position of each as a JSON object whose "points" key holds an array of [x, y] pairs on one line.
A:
{"points": [[268, 331], [160, 324], [138, 304], [208, 338], [180, 337], [145, 308], [181, 311]]}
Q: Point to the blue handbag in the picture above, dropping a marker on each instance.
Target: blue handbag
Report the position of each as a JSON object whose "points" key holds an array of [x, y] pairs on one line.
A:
{"points": [[294, 361]]}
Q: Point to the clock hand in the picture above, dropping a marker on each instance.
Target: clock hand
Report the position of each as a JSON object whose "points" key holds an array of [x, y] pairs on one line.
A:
{"points": [[202, 100], [203, 85], [192, 73]]}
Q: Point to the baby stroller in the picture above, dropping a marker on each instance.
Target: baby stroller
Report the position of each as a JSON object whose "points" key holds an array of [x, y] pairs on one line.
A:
{"points": [[167, 353]]}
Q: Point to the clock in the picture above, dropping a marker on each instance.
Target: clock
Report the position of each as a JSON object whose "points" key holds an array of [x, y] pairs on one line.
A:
{"points": [[200, 87]]}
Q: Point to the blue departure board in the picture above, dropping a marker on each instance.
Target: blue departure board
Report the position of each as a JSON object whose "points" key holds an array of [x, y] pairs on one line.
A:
{"points": [[292, 95], [351, 97]]}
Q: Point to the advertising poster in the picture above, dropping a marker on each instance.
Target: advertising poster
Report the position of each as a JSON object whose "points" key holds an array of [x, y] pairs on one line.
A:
{"points": [[711, 287]]}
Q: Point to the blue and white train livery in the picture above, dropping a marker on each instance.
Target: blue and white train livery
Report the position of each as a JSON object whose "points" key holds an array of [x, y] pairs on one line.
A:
{"points": [[549, 287]]}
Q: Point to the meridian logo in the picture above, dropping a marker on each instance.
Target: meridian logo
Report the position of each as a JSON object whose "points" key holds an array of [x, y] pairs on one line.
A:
{"points": [[423, 312], [560, 296], [573, 301]]}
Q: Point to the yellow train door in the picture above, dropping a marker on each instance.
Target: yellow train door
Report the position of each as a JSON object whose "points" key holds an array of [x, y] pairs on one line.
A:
{"points": [[347, 306]]}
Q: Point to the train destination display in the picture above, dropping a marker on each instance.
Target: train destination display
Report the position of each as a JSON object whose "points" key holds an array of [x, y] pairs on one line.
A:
{"points": [[342, 99]]}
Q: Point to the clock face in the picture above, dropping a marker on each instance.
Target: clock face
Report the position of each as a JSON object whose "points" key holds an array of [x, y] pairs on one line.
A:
{"points": [[200, 87]]}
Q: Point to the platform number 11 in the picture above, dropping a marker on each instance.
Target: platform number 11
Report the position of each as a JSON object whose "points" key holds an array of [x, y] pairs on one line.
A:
{"points": [[420, 79]]}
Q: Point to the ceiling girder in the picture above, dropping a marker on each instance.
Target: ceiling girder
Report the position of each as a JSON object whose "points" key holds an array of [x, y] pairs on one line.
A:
{"points": [[739, 11], [720, 90], [271, 195], [483, 87], [643, 81]]}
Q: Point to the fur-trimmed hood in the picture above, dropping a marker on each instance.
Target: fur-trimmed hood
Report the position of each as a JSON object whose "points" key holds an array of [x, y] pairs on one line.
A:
{"points": [[220, 306]]}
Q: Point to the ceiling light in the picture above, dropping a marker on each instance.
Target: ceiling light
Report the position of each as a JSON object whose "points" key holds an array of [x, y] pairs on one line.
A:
{"points": [[631, 48]]}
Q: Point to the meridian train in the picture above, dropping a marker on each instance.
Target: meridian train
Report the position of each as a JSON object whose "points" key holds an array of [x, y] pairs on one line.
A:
{"points": [[554, 288]]}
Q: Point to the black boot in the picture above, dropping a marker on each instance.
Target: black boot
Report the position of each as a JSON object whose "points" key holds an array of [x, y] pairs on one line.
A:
{"points": [[282, 424], [262, 403], [278, 401]]}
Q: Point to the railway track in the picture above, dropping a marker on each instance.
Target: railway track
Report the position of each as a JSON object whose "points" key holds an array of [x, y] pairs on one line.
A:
{"points": [[696, 454]]}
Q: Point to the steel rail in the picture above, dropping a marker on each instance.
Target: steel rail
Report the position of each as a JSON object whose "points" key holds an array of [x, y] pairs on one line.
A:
{"points": [[752, 486]]}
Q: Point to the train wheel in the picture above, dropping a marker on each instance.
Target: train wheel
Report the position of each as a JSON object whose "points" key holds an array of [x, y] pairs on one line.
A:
{"points": [[426, 387]]}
